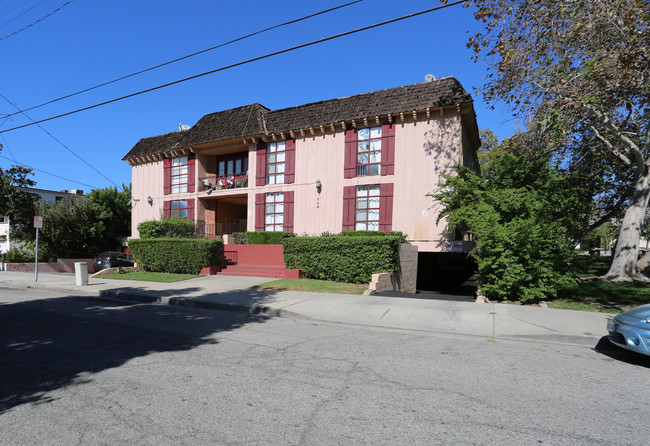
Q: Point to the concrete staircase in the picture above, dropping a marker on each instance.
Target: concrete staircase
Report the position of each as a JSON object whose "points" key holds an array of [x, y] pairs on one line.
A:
{"points": [[256, 261]]}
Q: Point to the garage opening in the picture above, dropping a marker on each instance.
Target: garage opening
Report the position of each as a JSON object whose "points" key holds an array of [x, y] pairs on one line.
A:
{"points": [[446, 272]]}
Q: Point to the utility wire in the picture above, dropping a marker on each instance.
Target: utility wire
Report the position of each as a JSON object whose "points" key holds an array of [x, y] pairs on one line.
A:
{"points": [[48, 173], [37, 21], [189, 55], [21, 14], [266, 56], [57, 140]]}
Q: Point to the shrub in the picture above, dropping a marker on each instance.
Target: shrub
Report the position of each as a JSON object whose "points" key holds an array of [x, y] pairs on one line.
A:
{"points": [[16, 255], [176, 227], [240, 238], [399, 234], [342, 258], [176, 255], [267, 237]]}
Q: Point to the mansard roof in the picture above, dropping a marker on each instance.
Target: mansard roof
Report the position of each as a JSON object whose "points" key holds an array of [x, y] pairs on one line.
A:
{"points": [[255, 120]]}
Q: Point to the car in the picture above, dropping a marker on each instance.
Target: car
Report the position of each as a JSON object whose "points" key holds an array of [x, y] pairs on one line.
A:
{"points": [[112, 259], [631, 329]]}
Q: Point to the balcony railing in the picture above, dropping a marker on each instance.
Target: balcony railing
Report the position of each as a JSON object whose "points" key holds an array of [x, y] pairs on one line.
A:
{"points": [[215, 182], [209, 230]]}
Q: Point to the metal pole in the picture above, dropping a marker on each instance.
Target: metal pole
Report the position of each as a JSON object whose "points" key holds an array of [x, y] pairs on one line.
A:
{"points": [[36, 259]]}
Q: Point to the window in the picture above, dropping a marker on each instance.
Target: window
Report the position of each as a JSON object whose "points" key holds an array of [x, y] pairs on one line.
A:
{"points": [[179, 175], [274, 212], [275, 163], [4, 219], [179, 208], [232, 165], [369, 151], [367, 208]]}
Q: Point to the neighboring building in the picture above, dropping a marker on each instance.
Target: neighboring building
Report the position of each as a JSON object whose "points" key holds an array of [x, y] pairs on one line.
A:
{"points": [[360, 162], [48, 196]]}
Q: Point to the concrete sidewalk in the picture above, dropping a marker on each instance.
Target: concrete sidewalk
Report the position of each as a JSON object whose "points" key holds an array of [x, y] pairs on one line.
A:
{"points": [[425, 312]]}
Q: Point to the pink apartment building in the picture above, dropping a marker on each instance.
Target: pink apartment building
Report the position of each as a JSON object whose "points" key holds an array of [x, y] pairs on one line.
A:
{"points": [[359, 162]]}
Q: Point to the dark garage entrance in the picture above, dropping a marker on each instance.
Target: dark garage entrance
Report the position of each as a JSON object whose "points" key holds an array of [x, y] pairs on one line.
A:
{"points": [[446, 272]]}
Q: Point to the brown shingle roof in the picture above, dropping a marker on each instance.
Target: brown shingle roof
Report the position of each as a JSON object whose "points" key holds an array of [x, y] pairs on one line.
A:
{"points": [[255, 119]]}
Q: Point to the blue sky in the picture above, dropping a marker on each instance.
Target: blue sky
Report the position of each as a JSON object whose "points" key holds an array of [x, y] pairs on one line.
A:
{"points": [[87, 43]]}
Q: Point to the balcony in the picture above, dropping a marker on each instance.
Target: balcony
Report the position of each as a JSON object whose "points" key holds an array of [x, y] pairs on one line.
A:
{"points": [[213, 182]]}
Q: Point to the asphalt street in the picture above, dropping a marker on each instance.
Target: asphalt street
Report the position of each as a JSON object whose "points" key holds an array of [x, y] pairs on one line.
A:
{"points": [[93, 372]]}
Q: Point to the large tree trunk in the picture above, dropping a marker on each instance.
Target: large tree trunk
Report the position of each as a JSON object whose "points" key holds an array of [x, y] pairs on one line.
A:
{"points": [[626, 253]]}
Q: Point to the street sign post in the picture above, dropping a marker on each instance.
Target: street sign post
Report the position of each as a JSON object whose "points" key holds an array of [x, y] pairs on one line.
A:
{"points": [[38, 223]]}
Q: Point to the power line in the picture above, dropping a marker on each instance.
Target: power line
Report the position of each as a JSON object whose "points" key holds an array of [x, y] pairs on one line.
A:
{"points": [[57, 140], [37, 21], [48, 173], [266, 56], [21, 14], [188, 56]]}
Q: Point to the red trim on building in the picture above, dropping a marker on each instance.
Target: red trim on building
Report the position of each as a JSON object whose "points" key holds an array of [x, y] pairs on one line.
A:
{"points": [[386, 207], [190, 209], [349, 207], [191, 162], [388, 149], [260, 201], [290, 161], [350, 162], [288, 211], [167, 176], [167, 209], [260, 168]]}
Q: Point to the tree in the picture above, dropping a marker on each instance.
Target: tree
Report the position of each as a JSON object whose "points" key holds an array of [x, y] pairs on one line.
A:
{"points": [[18, 205], [581, 70], [520, 213], [113, 214], [82, 226]]}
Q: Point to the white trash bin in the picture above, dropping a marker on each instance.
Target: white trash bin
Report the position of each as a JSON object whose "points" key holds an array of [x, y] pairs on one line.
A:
{"points": [[81, 273]]}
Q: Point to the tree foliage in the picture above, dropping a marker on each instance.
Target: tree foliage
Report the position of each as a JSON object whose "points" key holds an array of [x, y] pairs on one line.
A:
{"points": [[17, 204], [83, 226], [580, 69], [521, 213]]}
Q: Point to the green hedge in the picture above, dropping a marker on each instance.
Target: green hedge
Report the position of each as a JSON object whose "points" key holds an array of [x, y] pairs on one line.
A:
{"points": [[399, 234], [176, 255], [267, 237], [343, 258], [168, 227]]}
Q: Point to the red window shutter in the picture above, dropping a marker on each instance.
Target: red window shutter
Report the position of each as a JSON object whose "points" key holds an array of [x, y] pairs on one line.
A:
{"points": [[190, 210], [167, 209], [261, 165], [386, 207], [191, 162], [387, 149], [350, 162], [288, 211], [260, 201], [290, 161], [349, 207], [167, 176]]}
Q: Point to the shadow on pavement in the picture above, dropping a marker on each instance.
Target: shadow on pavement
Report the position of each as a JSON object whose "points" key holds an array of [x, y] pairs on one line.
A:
{"points": [[48, 344], [620, 354]]}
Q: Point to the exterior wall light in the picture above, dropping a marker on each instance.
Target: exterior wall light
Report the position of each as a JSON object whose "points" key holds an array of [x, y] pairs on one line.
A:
{"points": [[150, 200], [319, 186]]}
